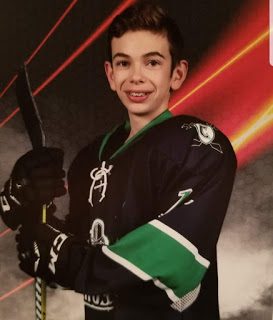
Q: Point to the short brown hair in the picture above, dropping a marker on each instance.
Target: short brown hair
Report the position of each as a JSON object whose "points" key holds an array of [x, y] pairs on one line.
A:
{"points": [[147, 16]]}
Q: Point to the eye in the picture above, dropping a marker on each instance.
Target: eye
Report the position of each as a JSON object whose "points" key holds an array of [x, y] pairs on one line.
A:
{"points": [[122, 63], [153, 63]]}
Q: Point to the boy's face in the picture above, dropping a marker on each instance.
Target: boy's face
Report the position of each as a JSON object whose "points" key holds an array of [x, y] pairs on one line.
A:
{"points": [[140, 72]]}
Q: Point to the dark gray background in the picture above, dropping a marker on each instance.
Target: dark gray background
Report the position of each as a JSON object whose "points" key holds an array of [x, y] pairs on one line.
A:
{"points": [[79, 105]]}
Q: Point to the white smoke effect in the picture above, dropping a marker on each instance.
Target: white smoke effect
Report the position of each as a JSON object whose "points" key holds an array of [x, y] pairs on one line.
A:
{"points": [[245, 247], [64, 304], [245, 272]]}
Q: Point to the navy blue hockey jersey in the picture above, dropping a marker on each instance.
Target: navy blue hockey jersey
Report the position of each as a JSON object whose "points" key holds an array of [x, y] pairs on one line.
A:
{"points": [[152, 209]]}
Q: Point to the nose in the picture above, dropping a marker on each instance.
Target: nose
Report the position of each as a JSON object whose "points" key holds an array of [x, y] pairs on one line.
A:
{"points": [[136, 75]]}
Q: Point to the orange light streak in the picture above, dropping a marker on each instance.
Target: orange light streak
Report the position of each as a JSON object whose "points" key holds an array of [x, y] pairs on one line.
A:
{"points": [[258, 124], [234, 59], [16, 289]]}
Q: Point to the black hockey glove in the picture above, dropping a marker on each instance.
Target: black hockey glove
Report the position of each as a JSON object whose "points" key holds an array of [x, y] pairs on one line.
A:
{"points": [[38, 176], [36, 179], [50, 254]]}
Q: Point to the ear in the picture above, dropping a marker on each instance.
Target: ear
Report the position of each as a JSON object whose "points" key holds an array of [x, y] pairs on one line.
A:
{"points": [[110, 74], [179, 74]]}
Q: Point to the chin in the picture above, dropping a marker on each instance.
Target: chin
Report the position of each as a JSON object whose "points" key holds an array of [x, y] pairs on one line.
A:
{"points": [[140, 111]]}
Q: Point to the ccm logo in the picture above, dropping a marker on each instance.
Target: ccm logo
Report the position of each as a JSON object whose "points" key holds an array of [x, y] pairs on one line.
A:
{"points": [[55, 249]]}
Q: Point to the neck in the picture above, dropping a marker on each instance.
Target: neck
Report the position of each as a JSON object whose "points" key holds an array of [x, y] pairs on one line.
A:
{"points": [[137, 122]]}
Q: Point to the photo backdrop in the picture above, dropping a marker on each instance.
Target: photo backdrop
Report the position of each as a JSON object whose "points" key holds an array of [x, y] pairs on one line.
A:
{"points": [[229, 84]]}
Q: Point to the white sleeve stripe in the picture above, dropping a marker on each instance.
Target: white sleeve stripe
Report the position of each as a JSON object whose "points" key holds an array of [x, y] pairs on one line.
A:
{"points": [[125, 263]]}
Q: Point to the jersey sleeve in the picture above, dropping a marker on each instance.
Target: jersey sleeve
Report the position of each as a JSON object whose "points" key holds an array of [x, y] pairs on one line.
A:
{"points": [[173, 250]]}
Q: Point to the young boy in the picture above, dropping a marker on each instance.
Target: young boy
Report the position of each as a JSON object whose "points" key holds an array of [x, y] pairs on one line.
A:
{"points": [[147, 200]]}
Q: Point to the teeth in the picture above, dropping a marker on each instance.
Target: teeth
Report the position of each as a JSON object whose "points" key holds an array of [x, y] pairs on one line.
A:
{"points": [[137, 94]]}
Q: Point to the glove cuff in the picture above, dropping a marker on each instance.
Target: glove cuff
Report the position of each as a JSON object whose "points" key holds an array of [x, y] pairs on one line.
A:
{"points": [[64, 256], [68, 262], [10, 206]]}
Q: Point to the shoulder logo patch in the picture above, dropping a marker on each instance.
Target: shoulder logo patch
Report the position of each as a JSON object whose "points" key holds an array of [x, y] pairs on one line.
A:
{"points": [[206, 135]]}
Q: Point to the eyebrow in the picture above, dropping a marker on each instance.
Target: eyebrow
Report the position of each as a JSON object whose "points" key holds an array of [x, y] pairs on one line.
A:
{"points": [[146, 55]]}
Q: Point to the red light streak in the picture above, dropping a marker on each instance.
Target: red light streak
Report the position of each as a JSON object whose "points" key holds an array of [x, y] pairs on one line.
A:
{"points": [[93, 36], [234, 83], [255, 135], [76, 53], [3, 233], [49, 34], [67, 10], [16, 289], [9, 117], [227, 64], [8, 86]]}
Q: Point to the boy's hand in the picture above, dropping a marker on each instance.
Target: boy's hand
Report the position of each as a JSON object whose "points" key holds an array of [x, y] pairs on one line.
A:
{"points": [[38, 248], [36, 179], [49, 253], [37, 176]]}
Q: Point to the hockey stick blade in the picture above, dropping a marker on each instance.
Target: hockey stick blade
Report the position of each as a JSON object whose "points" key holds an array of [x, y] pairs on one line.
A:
{"points": [[29, 109]]}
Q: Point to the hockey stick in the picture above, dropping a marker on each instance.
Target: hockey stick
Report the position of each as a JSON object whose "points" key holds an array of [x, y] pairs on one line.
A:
{"points": [[36, 134]]}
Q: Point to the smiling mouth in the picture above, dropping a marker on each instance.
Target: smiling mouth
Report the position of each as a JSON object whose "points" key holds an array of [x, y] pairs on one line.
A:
{"points": [[138, 94]]}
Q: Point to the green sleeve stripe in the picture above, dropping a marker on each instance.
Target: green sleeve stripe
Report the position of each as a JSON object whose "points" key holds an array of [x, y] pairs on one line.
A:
{"points": [[138, 272], [155, 251], [182, 240]]}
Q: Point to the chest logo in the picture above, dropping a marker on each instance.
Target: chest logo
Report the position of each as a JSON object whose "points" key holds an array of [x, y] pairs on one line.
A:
{"points": [[206, 135], [99, 178]]}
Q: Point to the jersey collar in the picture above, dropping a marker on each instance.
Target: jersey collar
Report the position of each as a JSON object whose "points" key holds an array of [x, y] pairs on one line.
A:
{"points": [[162, 117]]}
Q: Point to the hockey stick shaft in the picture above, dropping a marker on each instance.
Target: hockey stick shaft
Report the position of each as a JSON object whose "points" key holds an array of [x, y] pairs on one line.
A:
{"points": [[35, 131]]}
